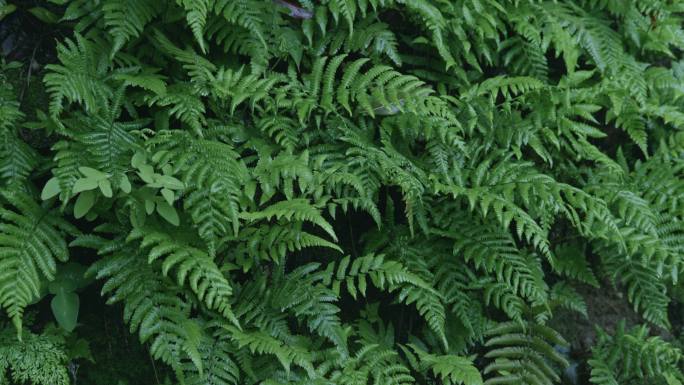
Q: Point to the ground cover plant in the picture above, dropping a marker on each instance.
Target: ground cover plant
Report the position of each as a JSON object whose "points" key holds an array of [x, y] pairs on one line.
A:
{"points": [[344, 192]]}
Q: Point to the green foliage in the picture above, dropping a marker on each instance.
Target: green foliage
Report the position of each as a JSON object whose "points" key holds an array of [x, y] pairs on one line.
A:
{"points": [[347, 191], [32, 242], [38, 358], [632, 357], [523, 354]]}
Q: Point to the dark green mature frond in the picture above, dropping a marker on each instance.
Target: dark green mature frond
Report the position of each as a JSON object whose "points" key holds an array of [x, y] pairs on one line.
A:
{"points": [[634, 357], [524, 353], [191, 266], [645, 287], [218, 356], [31, 243], [152, 305], [389, 275], [125, 20], [17, 159], [494, 252]]}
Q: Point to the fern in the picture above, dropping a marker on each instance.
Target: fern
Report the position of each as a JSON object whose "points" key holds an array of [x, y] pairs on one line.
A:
{"points": [[38, 359], [152, 306], [629, 356], [82, 76], [450, 369], [191, 264], [33, 242], [344, 191], [520, 356], [126, 20]]}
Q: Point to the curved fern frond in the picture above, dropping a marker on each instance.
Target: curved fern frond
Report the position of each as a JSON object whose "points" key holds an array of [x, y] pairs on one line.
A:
{"points": [[31, 243]]}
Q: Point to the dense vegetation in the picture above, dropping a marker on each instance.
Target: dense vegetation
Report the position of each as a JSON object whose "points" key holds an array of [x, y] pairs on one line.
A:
{"points": [[341, 192]]}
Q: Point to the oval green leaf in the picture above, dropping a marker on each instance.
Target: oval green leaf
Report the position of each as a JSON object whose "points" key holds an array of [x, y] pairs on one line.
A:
{"points": [[168, 195], [50, 189], [92, 173], [44, 15], [84, 203], [167, 212], [65, 309], [125, 184], [106, 188], [171, 182], [84, 184]]}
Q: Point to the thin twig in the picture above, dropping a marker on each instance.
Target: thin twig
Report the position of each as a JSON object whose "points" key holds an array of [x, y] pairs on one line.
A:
{"points": [[154, 368], [28, 74]]}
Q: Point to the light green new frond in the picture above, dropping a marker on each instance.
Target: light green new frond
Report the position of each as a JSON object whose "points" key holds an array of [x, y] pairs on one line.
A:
{"points": [[451, 369], [298, 209], [81, 77]]}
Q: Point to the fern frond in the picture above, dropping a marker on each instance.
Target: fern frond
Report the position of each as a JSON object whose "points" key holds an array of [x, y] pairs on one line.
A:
{"points": [[126, 20], [296, 209], [191, 265], [31, 243], [81, 77], [524, 353]]}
